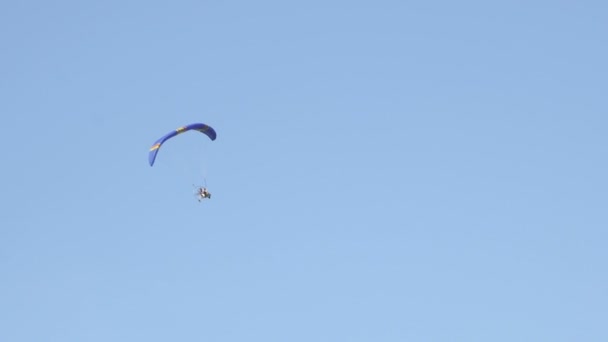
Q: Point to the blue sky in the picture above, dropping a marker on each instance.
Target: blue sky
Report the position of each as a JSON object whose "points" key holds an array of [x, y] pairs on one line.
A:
{"points": [[384, 171]]}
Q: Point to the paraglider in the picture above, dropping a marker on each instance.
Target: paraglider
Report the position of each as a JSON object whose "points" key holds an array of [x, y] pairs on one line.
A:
{"points": [[202, 192], [207, 130]]}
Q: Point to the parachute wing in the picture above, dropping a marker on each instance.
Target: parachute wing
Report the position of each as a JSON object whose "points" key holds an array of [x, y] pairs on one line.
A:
{"points": [[207, 130]]}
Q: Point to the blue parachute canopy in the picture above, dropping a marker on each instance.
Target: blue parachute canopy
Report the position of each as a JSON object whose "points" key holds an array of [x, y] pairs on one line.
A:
{"points": [[207, 130]]}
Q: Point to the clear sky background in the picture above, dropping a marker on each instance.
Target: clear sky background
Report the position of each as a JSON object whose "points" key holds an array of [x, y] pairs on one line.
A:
{"points": [[384, 171]]}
